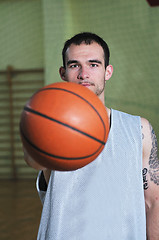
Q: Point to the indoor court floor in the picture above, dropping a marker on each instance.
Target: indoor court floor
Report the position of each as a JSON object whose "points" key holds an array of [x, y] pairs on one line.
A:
{"points": [[20, 210]]}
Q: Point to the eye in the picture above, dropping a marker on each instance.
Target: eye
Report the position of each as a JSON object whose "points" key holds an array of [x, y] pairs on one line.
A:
{"points": [[94, 65], [74, 66]]}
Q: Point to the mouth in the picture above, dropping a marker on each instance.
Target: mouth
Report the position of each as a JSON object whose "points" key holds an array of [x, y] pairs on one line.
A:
{"points": [[86, 84]]}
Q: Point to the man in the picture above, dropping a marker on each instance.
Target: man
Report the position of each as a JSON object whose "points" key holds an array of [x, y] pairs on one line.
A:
{"points": [[107, 198]]}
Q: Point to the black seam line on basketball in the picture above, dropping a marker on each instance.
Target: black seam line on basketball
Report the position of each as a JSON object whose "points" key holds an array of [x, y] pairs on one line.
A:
{"points": [[55, 156], [64, 124], [63, 89]]}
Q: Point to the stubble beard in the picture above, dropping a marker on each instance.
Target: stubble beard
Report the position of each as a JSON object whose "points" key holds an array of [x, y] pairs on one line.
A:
{"points": [[100, 89]]}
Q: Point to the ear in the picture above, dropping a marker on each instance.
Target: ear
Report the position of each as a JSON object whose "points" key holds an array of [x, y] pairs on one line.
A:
{"points": [[109, 72], [62, 72]]}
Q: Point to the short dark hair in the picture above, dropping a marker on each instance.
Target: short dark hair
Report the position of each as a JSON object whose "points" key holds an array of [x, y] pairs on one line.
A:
{"points": [[87, 38]]}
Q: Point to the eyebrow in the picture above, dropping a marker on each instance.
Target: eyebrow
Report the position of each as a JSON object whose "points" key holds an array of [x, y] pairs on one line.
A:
{"points": [[95, 61], [71, 61], [91, 61]]}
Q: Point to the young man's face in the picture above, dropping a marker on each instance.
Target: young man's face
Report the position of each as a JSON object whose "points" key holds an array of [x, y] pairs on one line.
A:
{"points": [[85, 65]]}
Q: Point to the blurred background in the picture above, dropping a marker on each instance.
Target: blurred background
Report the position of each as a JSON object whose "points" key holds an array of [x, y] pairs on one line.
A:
{"points": [[32, 34]]}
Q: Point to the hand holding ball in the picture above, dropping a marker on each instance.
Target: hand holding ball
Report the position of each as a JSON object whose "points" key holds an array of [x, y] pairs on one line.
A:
{"points": [[64, 126]]}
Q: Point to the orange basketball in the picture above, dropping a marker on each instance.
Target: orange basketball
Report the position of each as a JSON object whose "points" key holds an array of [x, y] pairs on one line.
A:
{"points": [[64, 126]]}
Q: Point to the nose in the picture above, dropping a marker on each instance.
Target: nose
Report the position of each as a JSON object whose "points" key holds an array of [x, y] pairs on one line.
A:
{"points": [[83, 73]]}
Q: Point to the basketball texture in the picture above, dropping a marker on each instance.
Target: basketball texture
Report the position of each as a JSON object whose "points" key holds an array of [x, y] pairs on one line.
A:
{"points": [[64, 126]]}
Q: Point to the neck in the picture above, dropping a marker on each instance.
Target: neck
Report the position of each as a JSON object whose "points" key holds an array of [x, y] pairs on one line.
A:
{"points": [[102, 98]]}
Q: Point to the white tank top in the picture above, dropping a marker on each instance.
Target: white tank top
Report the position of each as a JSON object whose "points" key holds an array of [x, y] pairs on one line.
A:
{"points": [[103, 200]]}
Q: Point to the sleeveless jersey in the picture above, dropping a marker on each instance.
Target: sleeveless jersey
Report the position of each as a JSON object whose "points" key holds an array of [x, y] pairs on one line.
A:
{"points": [[103, 200]]}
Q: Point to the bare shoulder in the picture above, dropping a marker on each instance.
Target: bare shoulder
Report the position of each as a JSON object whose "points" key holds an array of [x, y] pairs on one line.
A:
{"points": [[150, 148], [150, 162]]}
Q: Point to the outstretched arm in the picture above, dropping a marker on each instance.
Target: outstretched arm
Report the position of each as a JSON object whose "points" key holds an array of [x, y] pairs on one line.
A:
{"points": [[34, 164], [31, 162], [151, 180]]}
